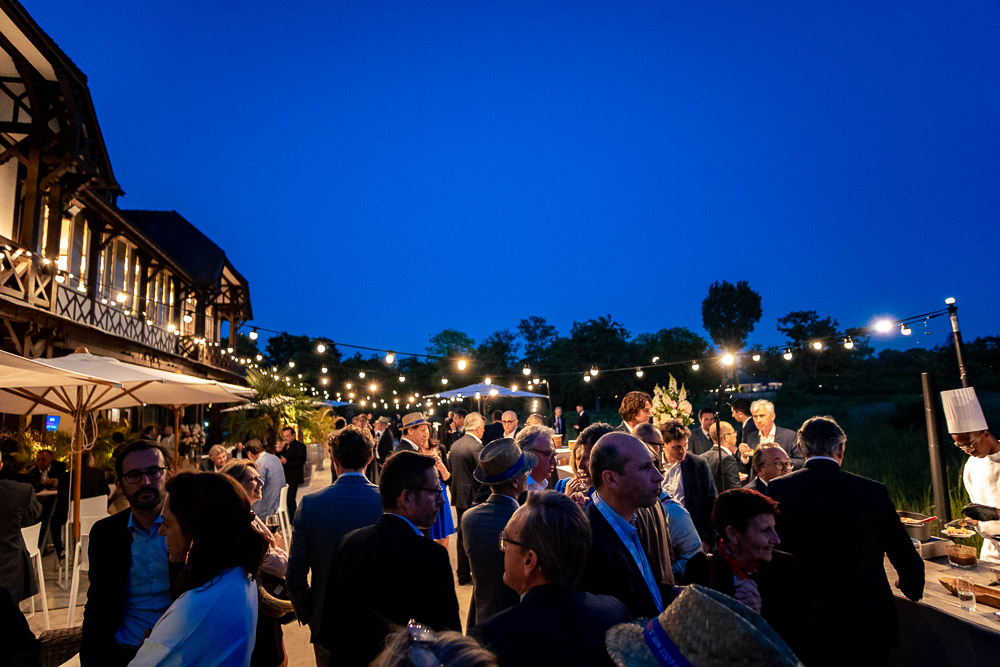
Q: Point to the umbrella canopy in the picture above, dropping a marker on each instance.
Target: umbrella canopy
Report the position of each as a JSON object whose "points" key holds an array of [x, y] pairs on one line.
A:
{"points": [[26, 384], [485, 390]]}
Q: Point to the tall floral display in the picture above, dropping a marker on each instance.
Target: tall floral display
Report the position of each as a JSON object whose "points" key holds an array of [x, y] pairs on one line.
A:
{"points": [[671, 404]]}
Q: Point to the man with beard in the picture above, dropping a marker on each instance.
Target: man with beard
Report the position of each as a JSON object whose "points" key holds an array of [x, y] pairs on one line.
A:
{"points": [[129, 572]]}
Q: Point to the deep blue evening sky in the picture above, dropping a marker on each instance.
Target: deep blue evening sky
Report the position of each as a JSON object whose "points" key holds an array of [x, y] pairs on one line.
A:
{"points": [[380, 171]]}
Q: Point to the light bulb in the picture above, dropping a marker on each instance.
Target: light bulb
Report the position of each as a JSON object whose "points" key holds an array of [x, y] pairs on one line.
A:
{"points": [[817, 345], [756, 357], [526, 371], [728, 359], [787, 355], [321, 348], [695, 366], [253, 334], [390, 357], [462, 363], [638, 372]]}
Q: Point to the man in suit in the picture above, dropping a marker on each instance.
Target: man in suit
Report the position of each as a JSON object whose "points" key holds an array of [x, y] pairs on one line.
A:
{"points": [[324, 517], [720, 458], [46, 471], [634, 410], [625, 480], [769, 462], [464, 457], [583, 419], [558, 423], [416, 433], [494, 429], [537, 439], [293, 459], [769, 433], [744, 422], [383, 440], [455, 430], [545, 546], [130, 576], [20, 509], [818, 505], [509, 422], [688, 481], [386, 574], [700, 442], [504, 468]]}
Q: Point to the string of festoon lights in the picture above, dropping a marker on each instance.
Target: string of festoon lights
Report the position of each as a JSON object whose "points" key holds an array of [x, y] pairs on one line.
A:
{"points": [[365, 389]]}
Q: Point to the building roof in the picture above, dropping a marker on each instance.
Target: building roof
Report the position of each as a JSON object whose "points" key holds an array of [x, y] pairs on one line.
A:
{"points": [[185, 245]]}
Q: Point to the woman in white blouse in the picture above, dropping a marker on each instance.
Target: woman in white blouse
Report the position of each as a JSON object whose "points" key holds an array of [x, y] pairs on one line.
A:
{"points": [[209, 527]]}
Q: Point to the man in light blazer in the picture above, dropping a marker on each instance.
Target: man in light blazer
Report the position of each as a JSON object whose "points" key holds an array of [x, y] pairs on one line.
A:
{"points": [[323, 518], [504, 467]]}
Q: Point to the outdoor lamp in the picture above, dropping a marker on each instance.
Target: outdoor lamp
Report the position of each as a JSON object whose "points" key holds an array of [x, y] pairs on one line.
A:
{"points": [[321, 348], [390, 357], [526, 370], [462, 363], [787, 355], [638, 372], [695, 366], [756, 357], [253, 334]]}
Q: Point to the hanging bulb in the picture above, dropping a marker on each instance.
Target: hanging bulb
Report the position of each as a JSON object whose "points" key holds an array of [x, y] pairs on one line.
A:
{"points": [[695, 366], [818, 345], [253, 334], [462, 363], [390, 357], [526, 370], [593, 371], [849, 344], [321, 348], [756, 357], [787, 355]]}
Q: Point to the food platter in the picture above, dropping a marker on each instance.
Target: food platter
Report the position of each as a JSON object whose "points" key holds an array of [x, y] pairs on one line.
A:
{"points": [[958, 529]]}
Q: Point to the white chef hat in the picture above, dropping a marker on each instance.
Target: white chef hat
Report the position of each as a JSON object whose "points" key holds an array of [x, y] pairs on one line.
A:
{"points": [[962, 410]]}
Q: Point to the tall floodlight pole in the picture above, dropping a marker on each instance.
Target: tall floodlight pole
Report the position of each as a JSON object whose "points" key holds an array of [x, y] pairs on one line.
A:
{"points": [[953, 313]]}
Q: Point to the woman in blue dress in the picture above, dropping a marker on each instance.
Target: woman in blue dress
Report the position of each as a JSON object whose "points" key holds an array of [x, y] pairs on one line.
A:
{"points": [[445, 525]]}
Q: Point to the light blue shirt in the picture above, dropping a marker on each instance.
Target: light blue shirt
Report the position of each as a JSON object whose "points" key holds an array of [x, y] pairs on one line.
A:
{"points": [[412, 525], [630, 538], [273, 475], [148, 593], [672, 481], [684, 538]]}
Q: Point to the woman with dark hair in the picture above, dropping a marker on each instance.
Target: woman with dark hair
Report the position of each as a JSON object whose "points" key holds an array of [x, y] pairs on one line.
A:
{"points": [[748, 567], [269, 651], [209, 527]]}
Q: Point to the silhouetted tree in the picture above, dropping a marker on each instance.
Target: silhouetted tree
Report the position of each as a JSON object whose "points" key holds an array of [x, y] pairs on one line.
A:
{"points": [[729, 313]]}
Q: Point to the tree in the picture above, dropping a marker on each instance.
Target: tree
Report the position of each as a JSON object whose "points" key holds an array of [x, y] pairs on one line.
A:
{"points": [[671, 345], [450, 342], [498, 352], [729, 313], [803, 328], [538, 336]]}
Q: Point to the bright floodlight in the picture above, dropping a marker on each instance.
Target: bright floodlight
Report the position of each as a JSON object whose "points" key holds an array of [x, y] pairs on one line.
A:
{"points": [[883, 326], [728, 359], [950, 301]]}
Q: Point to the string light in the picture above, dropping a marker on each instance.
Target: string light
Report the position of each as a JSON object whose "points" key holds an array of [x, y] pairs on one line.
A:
{"points": [[655, 359], [526, 370], [787, 355], [361, 374], [586, 378], [756, 357], [695, 366], [728, 359], [883, 326], [593, 371], [321, 348], [513, 387], [638, 372], [253, 334], [444, 380], [848, 343], [817, 345], [187, 318], [390, 357], [905, 330], [462, 363], [402, 378], [487, 380]]}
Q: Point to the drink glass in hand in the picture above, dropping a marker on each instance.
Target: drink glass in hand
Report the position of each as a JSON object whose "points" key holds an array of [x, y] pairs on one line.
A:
{"points": [[966, 593]]}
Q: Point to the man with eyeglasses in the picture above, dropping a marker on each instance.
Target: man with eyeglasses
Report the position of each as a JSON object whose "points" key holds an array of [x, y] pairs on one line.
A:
{"points": [[389, 573], [509, 421], [720, 458], [769, 462], [129, 572], [537, 439], [970, 432]]}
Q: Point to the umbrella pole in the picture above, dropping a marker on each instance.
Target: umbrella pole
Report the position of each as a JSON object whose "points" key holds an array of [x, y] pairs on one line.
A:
{"points": [[77, 451], [177, 436]]}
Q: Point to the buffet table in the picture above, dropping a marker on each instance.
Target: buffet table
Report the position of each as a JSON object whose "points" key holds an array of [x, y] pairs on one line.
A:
{"points": [[937, 630]]}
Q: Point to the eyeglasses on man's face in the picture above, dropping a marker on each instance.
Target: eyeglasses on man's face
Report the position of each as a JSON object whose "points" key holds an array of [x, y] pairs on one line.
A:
{"points": [[508, 421], [505, 540], [971, 444], [434, 491], [153, 474]]}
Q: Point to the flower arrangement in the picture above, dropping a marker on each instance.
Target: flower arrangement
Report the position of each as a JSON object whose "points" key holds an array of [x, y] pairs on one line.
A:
{"points": [[193, 436], [671, 404]]}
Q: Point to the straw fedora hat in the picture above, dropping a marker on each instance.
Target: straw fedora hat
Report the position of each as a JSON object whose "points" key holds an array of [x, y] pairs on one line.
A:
{"points": [[501, 461], [703, 627], [414, 419]]}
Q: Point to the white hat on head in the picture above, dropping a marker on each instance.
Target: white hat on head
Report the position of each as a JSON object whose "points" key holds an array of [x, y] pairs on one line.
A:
{"points": [[962, 411]]}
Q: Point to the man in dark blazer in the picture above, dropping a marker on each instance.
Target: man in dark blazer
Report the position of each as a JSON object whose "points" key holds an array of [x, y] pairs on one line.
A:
{"points": [[383, 441], [464, 457], [744, 421], [768, 432], [293, 459], [583, 420], [634, 410], [769, 462], [558, 423], [688, 480], [115, 620], [700, 442], [545, 548], [20, 509], [818, 505], [625, 480], [46, 471], [503, 467], [721, 458], [494, 429], [386, 574], [324, 517]]}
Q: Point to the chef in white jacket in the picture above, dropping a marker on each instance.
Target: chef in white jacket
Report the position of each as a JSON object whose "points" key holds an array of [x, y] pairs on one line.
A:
{"points": [[970, 432]]}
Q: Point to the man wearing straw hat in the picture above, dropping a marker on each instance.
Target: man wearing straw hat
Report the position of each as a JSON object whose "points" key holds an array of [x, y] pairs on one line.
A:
{"points": [[416, 432], [969, 430], [504, 468]]}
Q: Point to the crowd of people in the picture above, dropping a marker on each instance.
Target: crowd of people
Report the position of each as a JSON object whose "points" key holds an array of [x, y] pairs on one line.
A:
{"points": [[665, 544]]}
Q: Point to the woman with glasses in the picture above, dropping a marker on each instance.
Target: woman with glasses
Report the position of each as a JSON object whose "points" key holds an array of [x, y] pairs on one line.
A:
{"points": [[269, 651], [749, 568], [208, 526]]}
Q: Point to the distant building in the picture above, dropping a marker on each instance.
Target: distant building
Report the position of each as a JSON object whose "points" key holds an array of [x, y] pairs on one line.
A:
{"points": [[75, 270]]}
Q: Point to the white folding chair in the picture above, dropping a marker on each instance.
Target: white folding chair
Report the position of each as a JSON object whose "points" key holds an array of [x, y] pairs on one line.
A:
{"points": [[30, 535], [81, 562], [283, 523], [89, 508]]}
